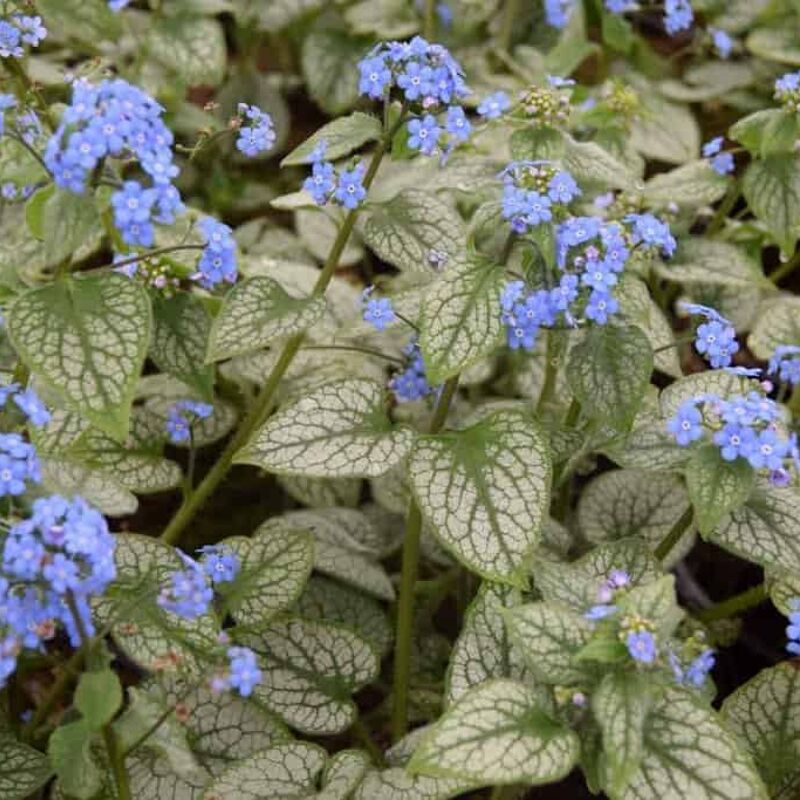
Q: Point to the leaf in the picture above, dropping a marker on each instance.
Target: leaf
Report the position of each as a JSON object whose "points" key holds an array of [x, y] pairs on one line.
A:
{"points": [[274, 566], [497, 733], [277, 14], [764, 529], [609, 371], [549, 637], [485, 492], [665, 131], [390, 19], [620, 705], [23, 770], [622, 503], [764, 714], [87, 20], [404, 230], [255, 313], [144, 631], [329, 59], [771, 187], [710, 261], [778, 322], [461, 318], [191, 47], [68, 221], [318, 232], [70, 479], [588, 162], [690, 185], [284, 771], [483, 649], [86, 339], [716, 381], [575, 584], [321, 492], [98, 697], [654, 601], [311, 669], [716, 487], [69, 750], [688, 753], [342, 136], [774, 44], [339, 430]]}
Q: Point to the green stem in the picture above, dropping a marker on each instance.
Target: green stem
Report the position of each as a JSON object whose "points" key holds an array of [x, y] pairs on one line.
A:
{"points": [[673, 537], [724, 208], [785, 269], [355, 349], [509, 20], [362, 736], [552, 358], [677, 343], [258, 412], [408, 580], [734, 605], [573, 413], [429, 22], [503, 793]]}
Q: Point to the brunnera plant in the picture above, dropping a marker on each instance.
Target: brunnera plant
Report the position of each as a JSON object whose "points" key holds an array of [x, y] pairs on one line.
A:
{"points": [[387, 388]]}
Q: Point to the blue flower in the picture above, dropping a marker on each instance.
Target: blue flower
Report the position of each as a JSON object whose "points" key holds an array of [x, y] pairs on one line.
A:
{"points": [[7, 101], [182, 416], [600, 306], [220, 563], [457, 124], [619, 6], [767, 451], [793, 628], [558, 12], [133, 205], [723, 163], [244, 674], [117, 5], [599, 276], [649, 230], [31, 28], [723, 43], [416, 81], [19, 464], [321, 183], [493, 106], [687, 424], [787, 90], [562, 188], [378, 311], [785, 364], [641, 646], [717, 342], [375, 77], [188, 593], [735, 440], [218, 260], [33, 408], [411, 384], [257, 137], [678, 16], [10, 38], [599, 612], [424, 134], [712, 147], [565, 293], [350, 191]]}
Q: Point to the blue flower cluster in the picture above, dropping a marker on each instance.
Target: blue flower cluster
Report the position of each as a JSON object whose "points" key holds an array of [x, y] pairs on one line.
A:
{"points": [[558, 12], [494, 105], [785, 364], [218, 260], [258, 136], [533, 191], [182, 415], [722, 163], [696, 671], [426, 134], [787, 90], [742, 427], [242, 673], [678, 16], [616, 581], [116, 119], [378, 311], [346, 188], [52, 564], [411, 383], [18, 30], [793, 628], [715, 338], [639, 640], [19, 465], [28, 401]]}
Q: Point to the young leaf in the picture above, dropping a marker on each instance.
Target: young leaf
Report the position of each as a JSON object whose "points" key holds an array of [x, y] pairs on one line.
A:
{"points": [[771, 187], [689, 753], [23, 770], [498, 733], [408, 227], [609, 371], [98, 697], [716, 487], [461, 318], [70, 753], [86, 339], [338, 430], [549, 637], [310, 671], [275, 565], [255, 313], [483, 649], [180, 335], [620, 705], [765, 714], [485, 492], [342, 136]]}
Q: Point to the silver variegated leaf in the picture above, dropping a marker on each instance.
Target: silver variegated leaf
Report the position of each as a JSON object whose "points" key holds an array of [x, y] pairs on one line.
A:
{"points": [[69, 478], [710, 261], [771, 187], [86, 339], [310, 671], [461, 318], [777, 322], [407, 228], [485, 492], [691, 185], [665, 131], [588, 162], [688, 752], [255, 313], [341, 136], [765, 714], [321, 492], [329, 60], [483, 649], [716, 381], [339, 430], [23, 769], [498, 733], [190, 47]]}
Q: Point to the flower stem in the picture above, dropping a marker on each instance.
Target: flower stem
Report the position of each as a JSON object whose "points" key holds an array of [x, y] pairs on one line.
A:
{"points": [[552, 359], [509, 20], [675, 533], [785, 269], [429, 23], [408, 580], [724, 208], [734, 605], [258, 412], [355, 349]]}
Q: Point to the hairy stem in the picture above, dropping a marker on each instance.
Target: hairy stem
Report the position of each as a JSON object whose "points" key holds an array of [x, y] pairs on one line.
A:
{"points": [[673, 537], [408, 580], [734, 605], [258, 412]]}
